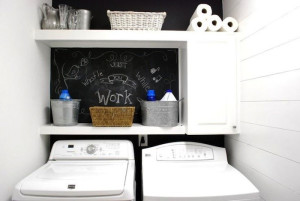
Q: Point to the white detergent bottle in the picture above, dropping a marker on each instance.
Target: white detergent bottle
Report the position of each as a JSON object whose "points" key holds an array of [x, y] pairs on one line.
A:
{"points": [[168, 96]]}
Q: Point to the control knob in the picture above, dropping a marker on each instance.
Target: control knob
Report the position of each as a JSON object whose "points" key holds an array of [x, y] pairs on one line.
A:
{"points": [[91, 149]]}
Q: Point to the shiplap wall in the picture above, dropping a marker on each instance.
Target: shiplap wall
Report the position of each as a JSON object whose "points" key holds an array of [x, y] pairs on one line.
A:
{"points": [[268, 149]]}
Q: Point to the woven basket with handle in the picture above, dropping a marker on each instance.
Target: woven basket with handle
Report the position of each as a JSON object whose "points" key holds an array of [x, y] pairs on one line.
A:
{"points": [[129, 20]]}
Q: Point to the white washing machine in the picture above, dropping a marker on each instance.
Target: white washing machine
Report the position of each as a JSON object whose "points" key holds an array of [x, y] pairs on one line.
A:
{"points": [[82, 170], [187, 171]]}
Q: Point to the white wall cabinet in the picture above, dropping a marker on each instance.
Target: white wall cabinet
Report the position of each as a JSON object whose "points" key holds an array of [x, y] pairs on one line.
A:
{"points": [[207, 76], [212, 86]]}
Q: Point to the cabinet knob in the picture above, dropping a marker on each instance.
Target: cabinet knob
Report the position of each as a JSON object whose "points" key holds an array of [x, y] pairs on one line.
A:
{"points": [[234, 127]]}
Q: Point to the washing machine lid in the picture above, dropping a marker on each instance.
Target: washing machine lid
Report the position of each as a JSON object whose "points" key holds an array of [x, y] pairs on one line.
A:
{"points": [[77, 178], [189, 181]]}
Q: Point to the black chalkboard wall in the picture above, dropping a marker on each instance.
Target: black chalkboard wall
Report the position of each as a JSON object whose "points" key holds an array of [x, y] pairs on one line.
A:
{"points": [[113, 77]]}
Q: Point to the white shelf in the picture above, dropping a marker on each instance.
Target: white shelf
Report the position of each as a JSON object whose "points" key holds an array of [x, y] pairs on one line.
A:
{"points": [[88, 129], [123, 39]]}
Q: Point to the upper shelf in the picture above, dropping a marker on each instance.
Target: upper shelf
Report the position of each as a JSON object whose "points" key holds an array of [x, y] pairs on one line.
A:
{"points": [[133, 39]]}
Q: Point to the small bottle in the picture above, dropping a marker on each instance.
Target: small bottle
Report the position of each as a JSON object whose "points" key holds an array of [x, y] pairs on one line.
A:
{"points": [[151, 95], [65, 95], [168, 96]]}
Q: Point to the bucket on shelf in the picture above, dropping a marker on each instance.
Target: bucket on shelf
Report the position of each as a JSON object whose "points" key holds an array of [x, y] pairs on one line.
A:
{"points": [[65, 112], [160, 113]]}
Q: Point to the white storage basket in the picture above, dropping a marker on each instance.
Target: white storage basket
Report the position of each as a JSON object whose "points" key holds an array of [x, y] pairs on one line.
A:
{"points": [[129, 20]]}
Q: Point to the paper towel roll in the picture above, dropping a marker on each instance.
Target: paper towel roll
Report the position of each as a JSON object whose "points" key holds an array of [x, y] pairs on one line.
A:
{"points": [[202, 10], [229, 24], [198, 24], [214, 23]]}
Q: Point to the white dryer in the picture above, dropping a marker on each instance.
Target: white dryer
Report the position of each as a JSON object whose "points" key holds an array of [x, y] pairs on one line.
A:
{"points": [[187, 171], [82, 170]]}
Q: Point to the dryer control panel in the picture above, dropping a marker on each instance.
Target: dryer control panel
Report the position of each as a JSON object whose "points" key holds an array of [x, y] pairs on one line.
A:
{"points": [[92, 149], [184, 152]]}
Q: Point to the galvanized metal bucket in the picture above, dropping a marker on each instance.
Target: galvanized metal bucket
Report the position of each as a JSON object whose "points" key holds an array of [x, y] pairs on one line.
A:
{"points": [[160, 113], [65, 112]]}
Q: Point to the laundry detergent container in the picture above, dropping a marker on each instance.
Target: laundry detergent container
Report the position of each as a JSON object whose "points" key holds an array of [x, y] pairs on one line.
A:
{"points": [[65, 112]]}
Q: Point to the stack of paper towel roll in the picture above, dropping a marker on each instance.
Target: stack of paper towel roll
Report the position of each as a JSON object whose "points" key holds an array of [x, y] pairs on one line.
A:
{"points": [[203, 20]]}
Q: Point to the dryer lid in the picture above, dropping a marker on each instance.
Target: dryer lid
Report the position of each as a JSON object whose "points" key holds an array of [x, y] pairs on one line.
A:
{"points": [[212, 182], [67, 179]]}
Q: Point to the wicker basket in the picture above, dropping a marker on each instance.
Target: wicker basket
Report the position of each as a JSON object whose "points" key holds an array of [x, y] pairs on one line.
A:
{"points": [[129, 20], [112, 116]]}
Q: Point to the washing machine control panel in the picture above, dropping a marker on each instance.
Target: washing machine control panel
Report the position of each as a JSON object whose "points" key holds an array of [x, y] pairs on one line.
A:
{"points": [[184, 153], [92, 149]]}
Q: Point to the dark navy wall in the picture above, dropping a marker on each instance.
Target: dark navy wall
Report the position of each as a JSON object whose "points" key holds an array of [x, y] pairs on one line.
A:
{"points": [[178, 17]]}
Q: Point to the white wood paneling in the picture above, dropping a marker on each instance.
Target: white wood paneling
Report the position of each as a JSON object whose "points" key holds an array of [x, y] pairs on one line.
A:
{"points": [[282, 31], [281, 59], [280, 114], [270, 190], [284, 86], [281, 142], [265, 13], [267, 149], [281, 170]]}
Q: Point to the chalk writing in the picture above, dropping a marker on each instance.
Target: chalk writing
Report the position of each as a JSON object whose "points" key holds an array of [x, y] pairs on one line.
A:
{"points": [[142, 80], [91, 78], [114, 97], [118, 64]]}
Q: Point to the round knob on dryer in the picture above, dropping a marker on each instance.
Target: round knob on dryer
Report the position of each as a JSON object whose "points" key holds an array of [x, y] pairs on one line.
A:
{"points": [[91, 149]]}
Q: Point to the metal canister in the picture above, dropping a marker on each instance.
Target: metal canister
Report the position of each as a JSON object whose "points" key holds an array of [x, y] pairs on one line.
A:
{"points": [[83, 19]]}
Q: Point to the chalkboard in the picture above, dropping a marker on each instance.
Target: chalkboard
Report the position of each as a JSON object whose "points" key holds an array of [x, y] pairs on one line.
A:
{"points": [[113, 77]]}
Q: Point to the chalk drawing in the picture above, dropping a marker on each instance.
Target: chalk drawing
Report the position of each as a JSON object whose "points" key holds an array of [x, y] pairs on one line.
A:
{"points": [[58, 87], [84, 61], [157, 78], [154, 70], [145, 54], [139, 99], [111, 79], [108, 52], [170, 80]]}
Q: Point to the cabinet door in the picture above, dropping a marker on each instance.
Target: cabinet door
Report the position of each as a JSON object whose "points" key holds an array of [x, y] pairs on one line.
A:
{"points": [[212, 87]]}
